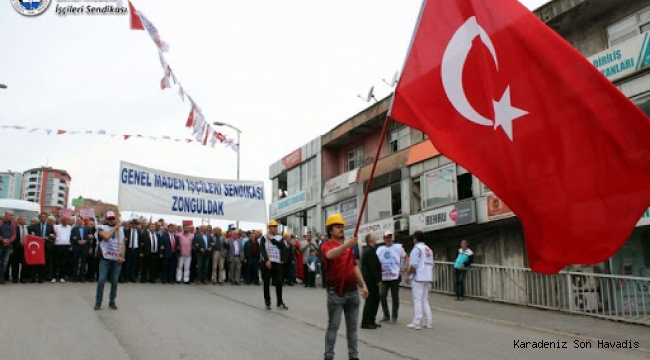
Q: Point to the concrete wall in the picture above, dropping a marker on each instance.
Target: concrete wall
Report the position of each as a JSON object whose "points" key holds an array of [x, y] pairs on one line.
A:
{"points": [[584, 23]]}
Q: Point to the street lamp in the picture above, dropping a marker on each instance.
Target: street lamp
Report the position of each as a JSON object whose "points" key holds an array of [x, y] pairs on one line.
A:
{"points": [[218, 123]]}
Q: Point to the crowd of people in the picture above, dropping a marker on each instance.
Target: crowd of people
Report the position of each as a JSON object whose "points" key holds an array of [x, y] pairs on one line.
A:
{"points": [[154, 252], [81, 250]]}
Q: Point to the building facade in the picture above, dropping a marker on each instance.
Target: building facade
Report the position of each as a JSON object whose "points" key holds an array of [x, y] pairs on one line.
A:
{"points": [[11, 185], [91, 208], [48, 187], [615, 37], [296, 183]]}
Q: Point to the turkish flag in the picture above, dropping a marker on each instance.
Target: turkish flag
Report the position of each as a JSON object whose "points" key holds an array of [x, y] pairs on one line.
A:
{"points": [[34, 250], [504, 96]]}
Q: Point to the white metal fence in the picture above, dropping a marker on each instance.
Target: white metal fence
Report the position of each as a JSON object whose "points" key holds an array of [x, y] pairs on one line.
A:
{"points": [[622, 298]]}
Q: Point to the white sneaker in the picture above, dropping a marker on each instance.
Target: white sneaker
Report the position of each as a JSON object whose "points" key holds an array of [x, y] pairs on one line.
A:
{"points": [[53, 280], [429, 326], [62, 280], [413, 326]]}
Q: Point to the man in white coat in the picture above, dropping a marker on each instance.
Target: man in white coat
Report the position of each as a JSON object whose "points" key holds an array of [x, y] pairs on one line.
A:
{"points": [[420, 274]]}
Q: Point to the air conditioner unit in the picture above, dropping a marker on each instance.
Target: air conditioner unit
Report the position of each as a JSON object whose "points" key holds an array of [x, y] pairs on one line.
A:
{"points": [[586, 282], [401, 224], [586, 301]]}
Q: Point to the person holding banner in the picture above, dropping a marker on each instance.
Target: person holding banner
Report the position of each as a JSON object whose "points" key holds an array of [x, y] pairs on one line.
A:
{"points": [[272, 247], [111, 256]]}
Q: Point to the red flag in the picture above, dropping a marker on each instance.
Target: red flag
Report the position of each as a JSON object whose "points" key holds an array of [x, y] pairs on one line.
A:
{"points": [[136, 22], [190, 119], [508, 99], [34, 250]]}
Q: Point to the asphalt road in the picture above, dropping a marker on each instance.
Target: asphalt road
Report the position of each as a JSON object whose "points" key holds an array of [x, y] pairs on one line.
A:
{"points": [[155, 321]]}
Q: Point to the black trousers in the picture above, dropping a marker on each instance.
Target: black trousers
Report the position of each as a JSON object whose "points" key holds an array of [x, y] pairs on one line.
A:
{"points": [[371, 305], [130, 266], [150, 268], [18, 264], [61, 265], [274, 274], [81, 260], [253, 266], [460, 282], [393, 286], [169, 267]]}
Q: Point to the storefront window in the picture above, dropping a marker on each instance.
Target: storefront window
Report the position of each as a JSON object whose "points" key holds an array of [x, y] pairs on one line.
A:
{"points": [[294, 223], [379, 204], [309, 179], [439, 187], [294, 183]]}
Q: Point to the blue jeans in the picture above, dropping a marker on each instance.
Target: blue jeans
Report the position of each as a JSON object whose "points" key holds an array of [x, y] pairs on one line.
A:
{"points": [[349, 305], [5, 251], [108, 269]]}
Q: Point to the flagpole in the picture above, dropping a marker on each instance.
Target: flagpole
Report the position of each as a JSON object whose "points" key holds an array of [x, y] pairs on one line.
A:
{"points": [[372, 175]]}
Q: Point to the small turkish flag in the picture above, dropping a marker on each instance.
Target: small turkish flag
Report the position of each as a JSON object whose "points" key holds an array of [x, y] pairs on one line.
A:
{"points": [[34, 250], [507, 98]]}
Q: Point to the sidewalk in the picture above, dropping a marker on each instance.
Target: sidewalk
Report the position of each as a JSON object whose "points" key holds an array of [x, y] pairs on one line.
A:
{"points": [[550, 321]]}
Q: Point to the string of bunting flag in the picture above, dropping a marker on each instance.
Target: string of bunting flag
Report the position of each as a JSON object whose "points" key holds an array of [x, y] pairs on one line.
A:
{"points": [[101, 132], [201, 129]]}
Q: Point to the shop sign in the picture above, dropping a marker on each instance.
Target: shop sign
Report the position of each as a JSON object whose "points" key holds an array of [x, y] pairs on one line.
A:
{"points": [[291, 204], [376, 228], [461, 213], [349, 211], [623, 59], [497, 209]]}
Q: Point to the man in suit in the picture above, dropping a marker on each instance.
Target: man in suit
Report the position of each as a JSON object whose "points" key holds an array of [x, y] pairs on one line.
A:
{"points": [[45, 230], [202, 245], [82, 238], [132, 236], [150, 253], [18, 256], [371, 271], [170, 252], [235, 255]]}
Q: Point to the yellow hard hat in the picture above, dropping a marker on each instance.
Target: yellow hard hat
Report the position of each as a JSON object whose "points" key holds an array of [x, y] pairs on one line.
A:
{"points": [[273, 223], [335, 219]]}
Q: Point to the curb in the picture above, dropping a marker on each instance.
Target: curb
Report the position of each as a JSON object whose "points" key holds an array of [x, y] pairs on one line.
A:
{"points": [[523, 326]]}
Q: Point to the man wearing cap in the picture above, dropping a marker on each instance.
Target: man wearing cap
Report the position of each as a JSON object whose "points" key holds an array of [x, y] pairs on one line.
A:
{"points": [[342, 293], [394, 263], [111, 256], [272, 246]]}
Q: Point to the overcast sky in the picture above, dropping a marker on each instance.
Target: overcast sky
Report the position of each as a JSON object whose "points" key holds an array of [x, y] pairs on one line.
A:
{"points": [[283, 71]]}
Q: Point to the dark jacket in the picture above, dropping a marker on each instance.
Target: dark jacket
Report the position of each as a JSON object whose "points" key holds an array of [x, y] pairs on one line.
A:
{"points": [[198, 244], [280, 244], [166, 246], [370, 266], [75, 237]]}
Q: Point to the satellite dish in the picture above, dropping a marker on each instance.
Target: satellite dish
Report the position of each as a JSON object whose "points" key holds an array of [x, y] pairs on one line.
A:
{"points": [[393, 81], [395, 78], [371, 95]]}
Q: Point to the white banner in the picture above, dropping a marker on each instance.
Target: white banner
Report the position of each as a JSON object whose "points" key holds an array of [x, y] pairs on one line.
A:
{"points": [[376, 228], [158, 192]]}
